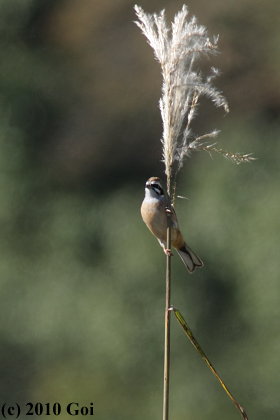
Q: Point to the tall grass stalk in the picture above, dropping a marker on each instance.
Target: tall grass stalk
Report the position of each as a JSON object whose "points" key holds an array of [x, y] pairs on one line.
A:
{"points": [[167, 324], [177, 48]]}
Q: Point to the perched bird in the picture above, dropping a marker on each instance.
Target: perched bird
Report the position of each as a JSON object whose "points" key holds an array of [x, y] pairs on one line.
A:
{"points": [[153, 211]]}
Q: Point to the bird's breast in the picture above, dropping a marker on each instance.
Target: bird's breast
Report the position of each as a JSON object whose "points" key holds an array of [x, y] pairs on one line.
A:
{"points": [[154, 215]]}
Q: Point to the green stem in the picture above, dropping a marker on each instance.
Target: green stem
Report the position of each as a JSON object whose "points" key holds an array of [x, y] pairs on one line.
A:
{"points": [[167, 322]]}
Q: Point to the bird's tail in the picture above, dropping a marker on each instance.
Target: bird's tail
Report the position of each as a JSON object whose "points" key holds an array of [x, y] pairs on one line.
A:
{"points": [[189, 258]]}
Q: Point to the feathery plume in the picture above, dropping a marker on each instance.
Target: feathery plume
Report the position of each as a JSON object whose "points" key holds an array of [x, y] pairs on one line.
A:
{"points": [[177, 49]]}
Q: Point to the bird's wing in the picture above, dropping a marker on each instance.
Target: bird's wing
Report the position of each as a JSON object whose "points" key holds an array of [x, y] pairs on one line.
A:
{"points": [[174, 218]]}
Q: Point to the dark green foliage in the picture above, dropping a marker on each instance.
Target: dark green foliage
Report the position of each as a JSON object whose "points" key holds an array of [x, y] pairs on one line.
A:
{"points": [[81, 290]]}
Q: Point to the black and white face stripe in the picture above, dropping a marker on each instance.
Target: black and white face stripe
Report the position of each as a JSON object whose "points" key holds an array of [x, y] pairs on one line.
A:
{"points": [[156, 187]]}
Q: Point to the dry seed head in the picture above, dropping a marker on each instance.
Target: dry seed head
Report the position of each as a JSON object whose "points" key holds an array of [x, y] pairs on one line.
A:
{"points": [[177, 49]]}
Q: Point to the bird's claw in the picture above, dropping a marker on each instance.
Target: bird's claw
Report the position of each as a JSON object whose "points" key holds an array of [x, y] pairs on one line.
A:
{"points": [[168, 252], [168, 210]]}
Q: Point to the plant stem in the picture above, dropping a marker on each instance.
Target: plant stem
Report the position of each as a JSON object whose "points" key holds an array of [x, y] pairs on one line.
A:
{"points": [[167, 321]]}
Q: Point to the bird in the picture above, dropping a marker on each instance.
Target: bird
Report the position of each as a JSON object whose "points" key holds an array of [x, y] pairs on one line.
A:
{"points": [[154, 210]]}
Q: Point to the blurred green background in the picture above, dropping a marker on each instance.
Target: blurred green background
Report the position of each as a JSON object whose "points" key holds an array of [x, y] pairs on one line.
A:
{"points": [[82, 280]]}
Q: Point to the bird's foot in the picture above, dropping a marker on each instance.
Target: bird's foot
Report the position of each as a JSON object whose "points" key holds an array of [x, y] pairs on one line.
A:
{"points": [[168, 252], [168, 210]]}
